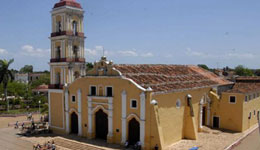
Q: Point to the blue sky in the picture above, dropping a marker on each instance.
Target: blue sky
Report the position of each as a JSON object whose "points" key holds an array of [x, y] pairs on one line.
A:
{"points": [[217, 33]]}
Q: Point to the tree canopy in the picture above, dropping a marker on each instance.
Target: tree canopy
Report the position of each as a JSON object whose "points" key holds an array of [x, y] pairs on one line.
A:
{"points": [[45, 79], [243, 71], [203, 66], [27, 69]]}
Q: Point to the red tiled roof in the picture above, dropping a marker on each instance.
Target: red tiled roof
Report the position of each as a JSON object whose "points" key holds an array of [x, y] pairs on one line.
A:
{"points": [[71, 3], [42, 87], [242, 87], [170, 77], [246, 85]]}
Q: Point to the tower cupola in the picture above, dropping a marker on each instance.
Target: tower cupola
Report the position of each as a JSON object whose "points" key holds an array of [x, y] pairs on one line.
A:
{"points": [[71, 3]]}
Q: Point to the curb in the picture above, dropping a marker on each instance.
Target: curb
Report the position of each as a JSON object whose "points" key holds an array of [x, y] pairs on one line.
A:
{"points": [[241, 138]]}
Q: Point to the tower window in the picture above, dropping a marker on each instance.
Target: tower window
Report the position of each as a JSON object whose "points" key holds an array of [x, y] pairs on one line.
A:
{"points": [[58, 26], [58, 52], [58, 78], [75, 27], [75, 51]]}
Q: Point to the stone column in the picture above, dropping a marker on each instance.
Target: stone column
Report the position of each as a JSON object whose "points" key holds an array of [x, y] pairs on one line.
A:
{"points": [[110, 119], [123, 98], [142, 118], [67, 110], [90, 118], [79, 113]]}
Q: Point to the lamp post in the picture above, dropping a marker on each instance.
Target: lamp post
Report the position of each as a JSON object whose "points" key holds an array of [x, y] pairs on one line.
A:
{"points": [[39, 106]]}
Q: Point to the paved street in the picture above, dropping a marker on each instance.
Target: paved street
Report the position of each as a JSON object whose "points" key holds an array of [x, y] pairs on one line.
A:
{"points": [[10, 141], [251, 142]]}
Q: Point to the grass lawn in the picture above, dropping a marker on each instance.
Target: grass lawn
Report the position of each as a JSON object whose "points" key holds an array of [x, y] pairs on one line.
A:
{"points": [[19, 111]]}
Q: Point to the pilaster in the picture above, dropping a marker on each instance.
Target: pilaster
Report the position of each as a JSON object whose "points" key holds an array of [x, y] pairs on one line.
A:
{"points": [[90, 132], [79, 113], [142, 117], [110, 120], [67, 110], [123, 98]]}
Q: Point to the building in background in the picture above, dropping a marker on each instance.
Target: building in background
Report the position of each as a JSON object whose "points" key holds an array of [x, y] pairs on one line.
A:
{"points": [[22, 77]]}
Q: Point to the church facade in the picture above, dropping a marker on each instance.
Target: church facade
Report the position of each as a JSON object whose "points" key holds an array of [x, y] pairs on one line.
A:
{"points": [[153, 104]]}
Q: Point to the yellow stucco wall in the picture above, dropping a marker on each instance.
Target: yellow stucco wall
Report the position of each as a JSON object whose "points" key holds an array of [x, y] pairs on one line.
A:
{"points": [[118, 86], [173, 119], [56, 109], [250, 106], [229, 114]]}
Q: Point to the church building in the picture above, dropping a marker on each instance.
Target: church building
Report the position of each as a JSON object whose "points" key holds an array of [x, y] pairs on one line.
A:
{"points": [[153, 104]]}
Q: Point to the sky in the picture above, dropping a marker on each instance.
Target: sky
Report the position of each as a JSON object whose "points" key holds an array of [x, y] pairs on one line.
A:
{"points": [[216, 33]]}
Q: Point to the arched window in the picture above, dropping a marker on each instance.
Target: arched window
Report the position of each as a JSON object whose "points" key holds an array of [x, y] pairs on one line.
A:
{"points": [[58, 26], [58, 52], [57, 78], [75, 27], [75, 51]]}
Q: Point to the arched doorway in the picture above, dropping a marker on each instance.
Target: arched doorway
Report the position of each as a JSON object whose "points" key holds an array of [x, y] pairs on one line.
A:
{"points": [[101, 125], [74, 123], [133, 131]]}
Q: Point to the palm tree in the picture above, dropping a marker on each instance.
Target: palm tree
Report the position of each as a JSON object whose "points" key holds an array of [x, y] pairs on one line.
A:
{"points": [[6, 76]]}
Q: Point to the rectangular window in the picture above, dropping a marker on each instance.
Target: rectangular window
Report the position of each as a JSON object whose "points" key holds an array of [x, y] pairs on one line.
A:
{"points": [[133, 104], [73, 98], [246, 99], [232, 99], [109, 91], [249, 116], [93, 91]]}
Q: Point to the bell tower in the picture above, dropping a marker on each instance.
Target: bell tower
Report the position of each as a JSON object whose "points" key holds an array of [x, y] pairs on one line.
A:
{"points": [[67, 43]]}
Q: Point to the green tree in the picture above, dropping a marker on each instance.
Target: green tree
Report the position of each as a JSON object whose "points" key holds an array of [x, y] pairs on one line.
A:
{"points": [[89, 66], [45, 79], [243, 71], [257, 72], [5, 76], [203, 66], [27, 69]]}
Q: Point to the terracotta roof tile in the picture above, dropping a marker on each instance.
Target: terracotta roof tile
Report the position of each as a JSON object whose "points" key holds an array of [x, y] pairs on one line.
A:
{"points": [[170, 77], [246, 85], [71, 3]]}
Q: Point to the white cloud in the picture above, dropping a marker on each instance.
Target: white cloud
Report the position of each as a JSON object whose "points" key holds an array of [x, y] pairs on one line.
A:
{"points": [[29, 50], [3, 51], [228, 55], [147, 54], [97, 52], [128, 53], [241, 55], [196, 53]]}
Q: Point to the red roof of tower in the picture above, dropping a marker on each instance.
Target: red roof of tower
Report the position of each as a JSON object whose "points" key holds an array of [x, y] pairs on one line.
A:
{"points": [[71, 3]]}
